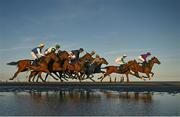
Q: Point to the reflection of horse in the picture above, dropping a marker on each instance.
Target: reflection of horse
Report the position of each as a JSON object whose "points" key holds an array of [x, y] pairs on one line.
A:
{"points": [[133, 96], [135, 67]]}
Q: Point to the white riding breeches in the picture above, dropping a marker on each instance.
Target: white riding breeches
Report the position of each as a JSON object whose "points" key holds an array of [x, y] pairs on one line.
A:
{"points": [[141, 59], [34, 55]]}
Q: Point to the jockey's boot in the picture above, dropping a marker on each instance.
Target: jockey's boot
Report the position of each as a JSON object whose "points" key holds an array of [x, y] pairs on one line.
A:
{"points": [[35, 62], [121, 67], [144, 64]]}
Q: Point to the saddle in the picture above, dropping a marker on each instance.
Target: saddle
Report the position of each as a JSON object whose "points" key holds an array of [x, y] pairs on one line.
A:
{"points": [[144, 64], [35, 62]]}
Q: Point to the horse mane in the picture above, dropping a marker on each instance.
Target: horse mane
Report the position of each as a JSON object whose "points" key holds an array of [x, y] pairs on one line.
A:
{"points": [[151, 59], [104, 60]]}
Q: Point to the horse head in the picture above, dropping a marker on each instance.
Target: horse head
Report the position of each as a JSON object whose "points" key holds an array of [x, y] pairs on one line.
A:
{"points": [[87, 56], [155, 60], [63, 55], [103, 61]]}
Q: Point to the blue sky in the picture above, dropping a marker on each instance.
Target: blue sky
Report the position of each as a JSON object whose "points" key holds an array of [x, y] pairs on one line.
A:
{"points": [[111, 27]]}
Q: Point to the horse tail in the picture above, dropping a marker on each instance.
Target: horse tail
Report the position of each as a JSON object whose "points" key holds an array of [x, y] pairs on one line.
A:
{"points": [[13, 63]]}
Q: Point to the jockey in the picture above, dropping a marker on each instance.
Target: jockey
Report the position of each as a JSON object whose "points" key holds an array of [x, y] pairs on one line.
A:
{"points": [[96, 60], [55, 49], [92, 53], [143, 58], [74, 55], [120, 60], [96, 63], [36, 53]]}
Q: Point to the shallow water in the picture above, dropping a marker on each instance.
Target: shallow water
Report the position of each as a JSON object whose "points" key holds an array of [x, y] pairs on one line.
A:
{"points": [[96, 102]]}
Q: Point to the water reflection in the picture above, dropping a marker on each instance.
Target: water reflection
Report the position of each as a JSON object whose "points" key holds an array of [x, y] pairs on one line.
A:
{"points": [[83, 102], [134, 96], [74, 96], [77, 96]]}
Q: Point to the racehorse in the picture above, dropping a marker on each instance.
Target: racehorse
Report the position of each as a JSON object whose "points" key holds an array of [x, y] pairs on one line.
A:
{"points": [[115, 69], [78, 67], [91, 69], [135, 67], [24, 65], [53, 67], [131, 66]]}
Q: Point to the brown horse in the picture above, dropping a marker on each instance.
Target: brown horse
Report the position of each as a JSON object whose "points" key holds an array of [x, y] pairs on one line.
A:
{"points": [[78, 67], [135, 67], [22, 66], [115, 69], [92, 69], [96, 67], [55, 66]]}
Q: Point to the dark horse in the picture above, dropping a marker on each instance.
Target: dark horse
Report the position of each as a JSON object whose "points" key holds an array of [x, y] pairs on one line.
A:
{"points": [[91, 69], [78, 67]]}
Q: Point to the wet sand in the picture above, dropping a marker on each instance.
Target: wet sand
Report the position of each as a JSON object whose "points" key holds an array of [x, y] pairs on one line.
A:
{"points": [[55, 86]]}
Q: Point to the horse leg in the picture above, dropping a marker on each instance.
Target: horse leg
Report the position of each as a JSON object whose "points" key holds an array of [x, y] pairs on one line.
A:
{"points": [[31, 75], [148, 76], [92, 79], [34, 77], [137, 75], [58, 76], [127, 78], [110, 79], [152, 74], [63, 75], [15, 75], [104, 76], [39, 76], [79, 77], [46, 77], [34, 74], [52, 76], [122, 79]]}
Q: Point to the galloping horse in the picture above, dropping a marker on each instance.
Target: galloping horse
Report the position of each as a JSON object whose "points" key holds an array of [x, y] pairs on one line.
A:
{"points": [[22, 66], [115, 69], [78, 67], [135, 67], [95, 68], [56, 66]]}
